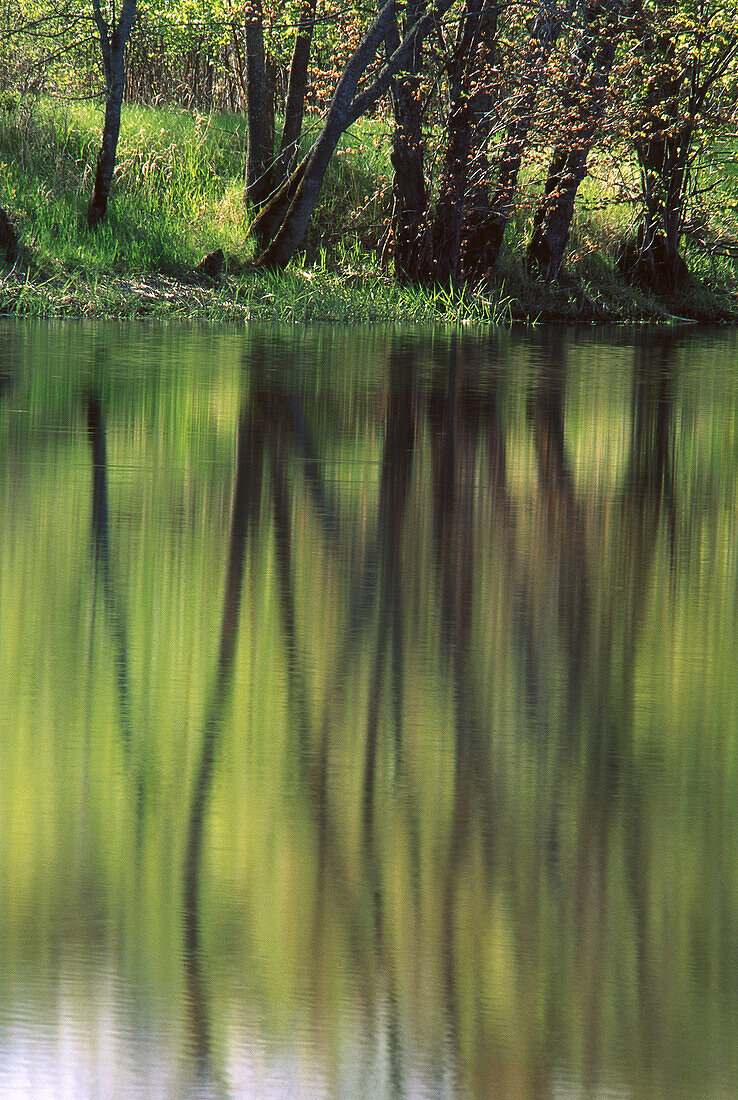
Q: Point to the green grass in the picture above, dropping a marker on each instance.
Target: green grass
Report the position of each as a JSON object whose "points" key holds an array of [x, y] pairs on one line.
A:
{"points": [[175, 192], [178, 194], [293, 297]]}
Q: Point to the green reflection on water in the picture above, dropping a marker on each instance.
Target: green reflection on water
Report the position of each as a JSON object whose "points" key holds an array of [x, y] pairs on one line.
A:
{"points": [[369, 711]]}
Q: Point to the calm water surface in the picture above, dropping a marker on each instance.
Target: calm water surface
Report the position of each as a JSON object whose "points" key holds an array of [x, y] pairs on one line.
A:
{"points": [[369, 713]]}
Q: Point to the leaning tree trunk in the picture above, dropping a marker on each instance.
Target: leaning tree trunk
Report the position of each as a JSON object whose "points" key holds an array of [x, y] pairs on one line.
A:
{"points": [[113, 40], [272, 215], [346, 107], [568, 167]]}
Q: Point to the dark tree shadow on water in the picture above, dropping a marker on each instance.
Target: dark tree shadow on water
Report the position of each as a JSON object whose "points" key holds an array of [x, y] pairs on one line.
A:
{"points": [[244, 511], [113, 610], [272, 432], [394, 487], [375, 598], [466, 436], [648, 513], [564, 524], [387, 673], [598, 626], [591, 741]]}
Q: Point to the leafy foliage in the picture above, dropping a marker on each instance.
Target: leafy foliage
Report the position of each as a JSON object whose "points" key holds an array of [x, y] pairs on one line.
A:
{"points": [[655, 131]]}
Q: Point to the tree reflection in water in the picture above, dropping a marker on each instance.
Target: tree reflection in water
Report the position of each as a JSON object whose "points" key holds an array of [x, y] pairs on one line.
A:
{"points": [[114, 611], [508, 603]]}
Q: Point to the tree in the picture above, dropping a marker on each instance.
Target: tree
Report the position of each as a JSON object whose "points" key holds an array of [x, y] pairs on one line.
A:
{"points": [[485, 228], [490, 82], [583, 103], [677, 90], [8, 238], [409, 192], [265, 172], [283, 220], [468, 110], [113, 39], [260, 140]]}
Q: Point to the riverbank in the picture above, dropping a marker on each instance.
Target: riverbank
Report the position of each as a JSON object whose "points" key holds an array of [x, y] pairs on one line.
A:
{"points": [[178, 196], [300, 296], [292, 297]]}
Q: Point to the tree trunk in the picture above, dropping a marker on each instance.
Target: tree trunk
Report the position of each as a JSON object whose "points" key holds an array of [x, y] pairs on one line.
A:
{"points": [[486, 227], [449, 209], [477, 212], [260, 149], [8, 238], [410, 199], [654, 260], [98, 204], [657, 261], [266, 224], [662, 147], [289, 150], [485, 234], [113, 40], [552, 220], [239, 66], [586, 105], [346, 106], [474, 41], [288, 237]]}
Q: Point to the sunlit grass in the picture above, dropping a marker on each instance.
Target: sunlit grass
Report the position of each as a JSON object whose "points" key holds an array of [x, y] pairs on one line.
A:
{"points": [[295, 296], [175, 193], [178, 194]]}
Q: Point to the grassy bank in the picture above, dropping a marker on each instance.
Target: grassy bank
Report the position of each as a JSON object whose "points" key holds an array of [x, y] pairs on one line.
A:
{"points": [[178, 195]]}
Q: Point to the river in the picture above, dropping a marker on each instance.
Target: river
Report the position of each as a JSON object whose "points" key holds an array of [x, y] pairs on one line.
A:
{"points": [[369, 712]]}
